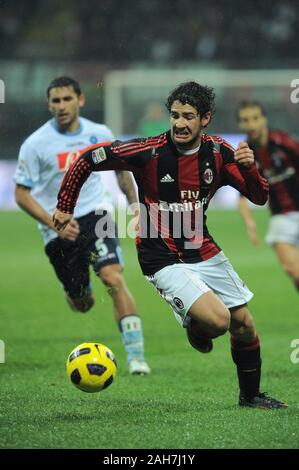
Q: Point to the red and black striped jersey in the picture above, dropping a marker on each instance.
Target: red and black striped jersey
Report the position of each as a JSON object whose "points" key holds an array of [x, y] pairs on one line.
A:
{"points": [[278, 162], [174, 192]]}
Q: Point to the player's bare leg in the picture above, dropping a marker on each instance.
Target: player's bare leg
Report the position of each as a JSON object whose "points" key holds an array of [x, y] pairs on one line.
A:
{"points": [[288, 256], [209, 318], [242, 326], [123, 302], [245, 349], [129, 322]]}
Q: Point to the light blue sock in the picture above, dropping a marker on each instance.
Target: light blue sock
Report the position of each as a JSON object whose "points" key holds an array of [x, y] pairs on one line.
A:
{"points": [[131, 332]]}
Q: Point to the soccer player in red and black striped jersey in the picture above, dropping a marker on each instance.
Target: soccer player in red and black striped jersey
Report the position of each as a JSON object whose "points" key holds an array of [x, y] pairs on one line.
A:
{"points": [[177, 174], [277, 157]]}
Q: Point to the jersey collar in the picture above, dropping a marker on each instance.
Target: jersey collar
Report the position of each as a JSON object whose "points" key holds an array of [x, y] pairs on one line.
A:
{"points": [[69, 134]]}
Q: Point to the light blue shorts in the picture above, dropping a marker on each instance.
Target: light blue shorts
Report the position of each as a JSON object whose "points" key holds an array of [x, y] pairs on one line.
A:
{"points": [[182, 284]]}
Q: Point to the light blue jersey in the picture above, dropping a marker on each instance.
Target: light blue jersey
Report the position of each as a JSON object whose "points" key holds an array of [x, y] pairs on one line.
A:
{"points": [[44, 159]]}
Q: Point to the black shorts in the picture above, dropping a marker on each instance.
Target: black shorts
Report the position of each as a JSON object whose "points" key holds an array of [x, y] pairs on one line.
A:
{"points": [[71, 260]]}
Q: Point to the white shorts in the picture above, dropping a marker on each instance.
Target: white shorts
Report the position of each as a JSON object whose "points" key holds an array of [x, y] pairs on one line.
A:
{"points": [[182, 284], [284, 228]]}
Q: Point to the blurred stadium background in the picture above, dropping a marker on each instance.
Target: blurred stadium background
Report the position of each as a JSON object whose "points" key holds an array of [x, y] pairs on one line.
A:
{"points": [[127, 55]]}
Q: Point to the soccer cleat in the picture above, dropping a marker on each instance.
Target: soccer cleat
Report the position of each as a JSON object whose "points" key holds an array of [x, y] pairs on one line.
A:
{"points": [[80, 304], [197, 339], [137, 367], [262, 400], [70, 303]]}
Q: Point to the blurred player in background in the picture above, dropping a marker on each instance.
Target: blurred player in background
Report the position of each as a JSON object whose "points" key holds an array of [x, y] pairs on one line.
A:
{"points": [[154, 121], [177, 173], [43, 160], [277, 157]]}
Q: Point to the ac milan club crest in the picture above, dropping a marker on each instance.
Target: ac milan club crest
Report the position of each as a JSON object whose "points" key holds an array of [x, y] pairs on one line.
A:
{"points": [[178, 302], [208, 176]]}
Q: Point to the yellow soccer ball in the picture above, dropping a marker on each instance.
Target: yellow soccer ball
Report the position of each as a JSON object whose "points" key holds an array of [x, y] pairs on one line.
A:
{"points": [[91, 367]]}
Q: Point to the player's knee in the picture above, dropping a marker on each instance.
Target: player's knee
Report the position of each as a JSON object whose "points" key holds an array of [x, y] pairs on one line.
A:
{"points": [[243, 329], [112, 279], [249, 324], [221, 321]]}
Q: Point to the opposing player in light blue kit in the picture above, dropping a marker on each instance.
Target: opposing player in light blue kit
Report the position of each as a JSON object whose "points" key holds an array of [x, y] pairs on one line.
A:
{"points": [[43, 160]]}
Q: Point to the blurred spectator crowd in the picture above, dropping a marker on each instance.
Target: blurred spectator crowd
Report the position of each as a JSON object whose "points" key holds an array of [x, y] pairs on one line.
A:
{"points": [[235, 34]]}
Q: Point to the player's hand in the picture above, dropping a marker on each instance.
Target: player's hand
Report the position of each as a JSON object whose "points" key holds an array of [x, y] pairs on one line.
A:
{"points": [[71, 231], [61, 219], [252, 233], [244, 155]]}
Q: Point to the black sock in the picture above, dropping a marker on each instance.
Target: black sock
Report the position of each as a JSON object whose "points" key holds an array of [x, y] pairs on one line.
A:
{"points": [[247, 357]]}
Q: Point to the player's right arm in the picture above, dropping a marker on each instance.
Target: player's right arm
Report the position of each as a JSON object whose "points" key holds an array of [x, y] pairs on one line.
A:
{"points": [[27, 174], [26, 202], [118, 156], [246, 214]]}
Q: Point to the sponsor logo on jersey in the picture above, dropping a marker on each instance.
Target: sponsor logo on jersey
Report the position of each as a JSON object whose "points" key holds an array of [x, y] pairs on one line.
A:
{"points": [[66, 159], [208, 176], [98, 155], [167, 179], [185, 205], [190, 194]]}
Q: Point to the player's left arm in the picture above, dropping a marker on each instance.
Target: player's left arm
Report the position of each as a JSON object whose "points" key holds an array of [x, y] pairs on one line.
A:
{"points": [[126, 184], [240, 172]]}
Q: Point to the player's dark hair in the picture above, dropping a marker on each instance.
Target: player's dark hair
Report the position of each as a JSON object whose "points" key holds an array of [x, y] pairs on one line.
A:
{"points": [[64, 81], [202, 98], [250, 104]]}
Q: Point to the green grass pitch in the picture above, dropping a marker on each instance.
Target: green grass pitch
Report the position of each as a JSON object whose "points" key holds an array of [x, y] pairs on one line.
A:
{"points": [[189, 401]]}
